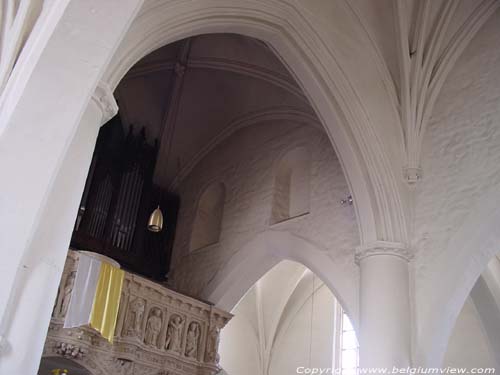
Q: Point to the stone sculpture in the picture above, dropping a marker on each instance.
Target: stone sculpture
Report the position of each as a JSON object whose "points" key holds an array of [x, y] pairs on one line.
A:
{"points": [[69, 350], [147, 340], [68, 288], [134, 317], [174, 333], [213, 345], [153, 327], [192, 339]]}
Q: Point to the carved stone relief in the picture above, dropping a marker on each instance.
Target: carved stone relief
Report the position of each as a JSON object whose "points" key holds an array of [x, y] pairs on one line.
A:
{"points": [[133, 321], [213, 345], [174, 333], [213, 339], [68, 288], [192, 340], [69, 350], [153, 327], [158, 332]]}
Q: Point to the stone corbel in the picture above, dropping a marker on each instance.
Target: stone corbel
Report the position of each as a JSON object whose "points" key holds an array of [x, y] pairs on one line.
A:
{"points": [[383, 248], [103, 97], [412, 175]]}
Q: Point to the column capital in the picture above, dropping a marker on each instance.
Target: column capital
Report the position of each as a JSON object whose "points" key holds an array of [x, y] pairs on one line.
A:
{"points": [[382, 248], [104, 99], [412, 174]]}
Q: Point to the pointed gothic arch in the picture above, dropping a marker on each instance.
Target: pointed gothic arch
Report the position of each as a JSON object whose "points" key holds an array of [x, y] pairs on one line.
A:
{"points": [[268, 249], [380, 211]]}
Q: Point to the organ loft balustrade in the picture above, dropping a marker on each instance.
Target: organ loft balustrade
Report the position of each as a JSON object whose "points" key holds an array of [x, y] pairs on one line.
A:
{"points": [[158, 331]]}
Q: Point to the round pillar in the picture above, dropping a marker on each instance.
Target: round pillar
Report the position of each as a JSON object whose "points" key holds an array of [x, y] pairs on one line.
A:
{"points": [[385, 317]]}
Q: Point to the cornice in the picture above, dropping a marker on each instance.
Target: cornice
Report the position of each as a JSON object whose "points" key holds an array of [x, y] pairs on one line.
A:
{"points": [[383, 248], [104, 99]]}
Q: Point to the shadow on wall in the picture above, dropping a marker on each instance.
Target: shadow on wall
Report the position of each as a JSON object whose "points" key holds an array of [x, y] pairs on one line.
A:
{"points": [[465, 258], [475, 340]]}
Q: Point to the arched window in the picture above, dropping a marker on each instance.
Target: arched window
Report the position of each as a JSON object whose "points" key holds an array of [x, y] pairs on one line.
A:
{"points": [[291, 186], [208, 219], [349, 355]]}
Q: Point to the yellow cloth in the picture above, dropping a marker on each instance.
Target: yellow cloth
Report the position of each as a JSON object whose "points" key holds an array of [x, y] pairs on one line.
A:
{"points": [[107, 300]]}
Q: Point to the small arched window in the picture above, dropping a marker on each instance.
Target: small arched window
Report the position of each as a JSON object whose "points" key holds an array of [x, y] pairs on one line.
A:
{"points": [[208, 219], [291, 186]]}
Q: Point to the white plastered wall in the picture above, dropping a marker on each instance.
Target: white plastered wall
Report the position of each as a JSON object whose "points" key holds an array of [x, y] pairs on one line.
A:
{"points": [[246, 164], [456, 201]]}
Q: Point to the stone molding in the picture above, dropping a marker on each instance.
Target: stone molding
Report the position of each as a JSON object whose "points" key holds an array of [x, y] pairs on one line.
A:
{"points": [[383, 248], [137, 347], [301, 44], [15, 35], [277, 113], [223, 64], [433, 60], [104, 99]]}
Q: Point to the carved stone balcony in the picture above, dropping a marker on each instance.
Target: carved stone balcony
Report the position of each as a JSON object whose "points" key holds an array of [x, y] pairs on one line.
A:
{"points": [[158, 332]]}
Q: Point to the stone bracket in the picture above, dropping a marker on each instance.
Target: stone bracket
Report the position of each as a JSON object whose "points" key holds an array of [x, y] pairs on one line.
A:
{"points": [[103, 97], [412, 174]]}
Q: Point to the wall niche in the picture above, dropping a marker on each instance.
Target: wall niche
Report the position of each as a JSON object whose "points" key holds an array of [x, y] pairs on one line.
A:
{"points": [[291, 186]]}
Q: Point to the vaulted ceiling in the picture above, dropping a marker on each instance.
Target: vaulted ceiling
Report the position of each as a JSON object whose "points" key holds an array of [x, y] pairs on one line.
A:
{"points": [[373, 70], [193, 93], [212, 82], [418, 42]]}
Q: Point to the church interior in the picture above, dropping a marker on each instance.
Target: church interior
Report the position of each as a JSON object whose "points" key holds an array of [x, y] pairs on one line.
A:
{"points": [[234, 187]]}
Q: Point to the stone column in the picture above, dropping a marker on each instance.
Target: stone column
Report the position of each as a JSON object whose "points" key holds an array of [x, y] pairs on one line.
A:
{"points": [[385, 318], [27, 316], [47, 134]]}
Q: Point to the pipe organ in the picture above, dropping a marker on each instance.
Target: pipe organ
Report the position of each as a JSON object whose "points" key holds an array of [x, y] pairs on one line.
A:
{"points": [[119, 195]]}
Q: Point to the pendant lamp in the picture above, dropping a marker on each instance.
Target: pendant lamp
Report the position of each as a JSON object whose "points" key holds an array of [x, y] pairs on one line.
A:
{"points": [[155, 223]]}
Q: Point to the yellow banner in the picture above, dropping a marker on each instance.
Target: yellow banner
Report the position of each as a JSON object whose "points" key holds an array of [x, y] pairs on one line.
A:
{"points": [[107, 300]]}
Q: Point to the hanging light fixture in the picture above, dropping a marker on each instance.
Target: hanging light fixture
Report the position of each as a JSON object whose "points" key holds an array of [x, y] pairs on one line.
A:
{"points": [[155, 223]]}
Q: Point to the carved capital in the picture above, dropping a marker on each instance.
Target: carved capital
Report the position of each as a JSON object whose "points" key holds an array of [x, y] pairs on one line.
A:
{"points": [[412, 174], [383, 248], [103, 97]]}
